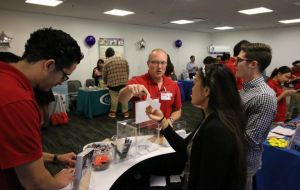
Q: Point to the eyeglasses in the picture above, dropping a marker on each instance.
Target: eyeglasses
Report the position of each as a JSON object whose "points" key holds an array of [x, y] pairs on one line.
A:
{"points": [[65, 75], [158, 62], [238, 60]]}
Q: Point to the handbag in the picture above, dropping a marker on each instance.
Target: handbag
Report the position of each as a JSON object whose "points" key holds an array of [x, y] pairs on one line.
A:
{"points": [[59, 118]]}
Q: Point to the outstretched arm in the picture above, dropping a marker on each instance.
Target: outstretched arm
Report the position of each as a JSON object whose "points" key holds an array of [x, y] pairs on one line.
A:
{"points": [[131, 90], [34, 175]]}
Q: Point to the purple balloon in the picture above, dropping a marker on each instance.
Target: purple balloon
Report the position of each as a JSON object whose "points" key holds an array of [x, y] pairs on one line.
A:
{"points": [[178, 43], [90, 40]]}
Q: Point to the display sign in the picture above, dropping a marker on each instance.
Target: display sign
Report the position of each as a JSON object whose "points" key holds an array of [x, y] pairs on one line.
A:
{"points": [[116, 43]]}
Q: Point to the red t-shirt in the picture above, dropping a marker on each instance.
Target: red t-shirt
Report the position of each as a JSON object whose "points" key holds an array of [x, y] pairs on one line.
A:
{"points": [[168, 86], [231, 65], [281, 105], [20, 122]]}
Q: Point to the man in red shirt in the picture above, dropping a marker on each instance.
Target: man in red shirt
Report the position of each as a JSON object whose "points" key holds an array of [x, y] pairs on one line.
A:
{"points": [[50, 56], [156, 85]]}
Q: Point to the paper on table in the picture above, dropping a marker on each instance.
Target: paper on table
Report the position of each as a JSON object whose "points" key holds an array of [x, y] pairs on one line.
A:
{"points": [[275, 135], [140, 108], [283, 131], [157, 181], [175, 179]]}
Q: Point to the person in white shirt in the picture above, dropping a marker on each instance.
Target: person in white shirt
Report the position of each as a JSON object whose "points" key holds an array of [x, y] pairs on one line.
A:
{"points": [[191, 67]]}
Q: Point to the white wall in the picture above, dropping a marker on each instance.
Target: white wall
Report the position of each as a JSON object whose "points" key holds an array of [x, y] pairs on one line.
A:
{"points": [[19, 25], [285, 43]]}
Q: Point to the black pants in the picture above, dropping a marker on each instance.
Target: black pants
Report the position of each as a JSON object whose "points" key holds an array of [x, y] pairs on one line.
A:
{"points": [[191, 75], [137, 177]]}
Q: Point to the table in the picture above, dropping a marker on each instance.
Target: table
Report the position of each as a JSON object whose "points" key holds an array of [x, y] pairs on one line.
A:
{"points": [[92, 102], [103, 180], [180, 85], [187, 87], [280, 169]]}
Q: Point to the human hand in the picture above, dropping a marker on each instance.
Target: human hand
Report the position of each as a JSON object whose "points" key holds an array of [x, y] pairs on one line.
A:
{"points": [[65, 177], [68, 159], [96, 72], [138, 90], [290, 92], [154, 114]]}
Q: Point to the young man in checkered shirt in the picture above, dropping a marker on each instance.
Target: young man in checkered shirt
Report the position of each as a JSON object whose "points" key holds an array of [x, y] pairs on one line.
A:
{"points": [[115, 76], [259, 102]]}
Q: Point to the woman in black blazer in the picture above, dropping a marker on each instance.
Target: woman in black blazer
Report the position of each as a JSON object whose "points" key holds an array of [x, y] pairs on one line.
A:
{"points": [[215, 151]]}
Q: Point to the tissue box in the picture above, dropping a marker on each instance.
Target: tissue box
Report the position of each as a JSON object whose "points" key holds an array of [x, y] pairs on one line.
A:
{"points": [[141, 138]]}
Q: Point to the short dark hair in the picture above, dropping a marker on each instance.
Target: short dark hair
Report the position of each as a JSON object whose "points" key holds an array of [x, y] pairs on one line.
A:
{"points": [[225, 57], [238, 46], [48, 43], [259, 52], [192, 57], [109, 52], [9, 57], [209, 60]]}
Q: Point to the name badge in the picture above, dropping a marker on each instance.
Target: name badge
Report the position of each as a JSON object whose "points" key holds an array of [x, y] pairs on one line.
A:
{"points": [[166, 95]]}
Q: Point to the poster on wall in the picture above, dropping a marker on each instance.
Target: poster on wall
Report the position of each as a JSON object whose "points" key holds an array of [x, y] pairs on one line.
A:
{"points": [[116, 43]]}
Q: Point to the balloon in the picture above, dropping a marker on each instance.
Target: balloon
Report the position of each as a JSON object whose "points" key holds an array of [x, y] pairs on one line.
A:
{"points": [[90, 40], [178, 43]]}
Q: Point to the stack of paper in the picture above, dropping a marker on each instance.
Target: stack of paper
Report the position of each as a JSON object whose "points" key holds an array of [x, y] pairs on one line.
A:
{"points": [[275, 135], [283, 131]]}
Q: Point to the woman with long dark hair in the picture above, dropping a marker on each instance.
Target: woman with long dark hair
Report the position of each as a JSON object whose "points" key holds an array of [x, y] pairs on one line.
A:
{"points": [[97, 71], [279, 76], [215, 151], [170, 71]]}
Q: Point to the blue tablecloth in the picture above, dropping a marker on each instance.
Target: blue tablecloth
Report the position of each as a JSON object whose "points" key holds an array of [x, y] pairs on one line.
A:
{"points": [[180, 85], [93, 102], [280, 169], [187, 87]]}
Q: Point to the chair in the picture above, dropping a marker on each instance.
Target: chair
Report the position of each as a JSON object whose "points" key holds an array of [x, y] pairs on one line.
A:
{"points": [[73, 86], [89, 82]]}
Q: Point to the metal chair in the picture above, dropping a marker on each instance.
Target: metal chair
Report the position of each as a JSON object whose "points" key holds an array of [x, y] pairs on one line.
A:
{"points": [[89, 82], [73, 86]]}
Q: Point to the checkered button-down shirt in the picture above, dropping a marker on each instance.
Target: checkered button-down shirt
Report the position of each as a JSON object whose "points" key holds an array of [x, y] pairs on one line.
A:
{"points": [[260, 104], [115, 71]]}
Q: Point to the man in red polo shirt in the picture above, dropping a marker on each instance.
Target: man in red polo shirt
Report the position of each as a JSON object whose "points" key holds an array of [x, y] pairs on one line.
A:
{"points": [[156, 85], [50, 56]]}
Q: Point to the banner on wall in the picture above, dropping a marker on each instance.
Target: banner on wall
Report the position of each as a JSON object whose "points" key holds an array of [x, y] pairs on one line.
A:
{"points": [[116, 43]]}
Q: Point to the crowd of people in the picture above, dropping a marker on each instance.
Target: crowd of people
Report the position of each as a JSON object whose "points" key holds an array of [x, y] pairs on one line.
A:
{"points": [[237, 107]]}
